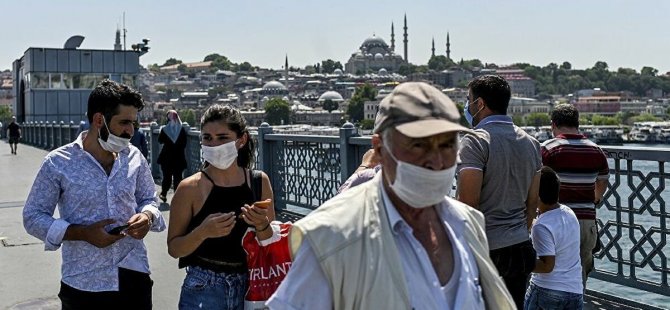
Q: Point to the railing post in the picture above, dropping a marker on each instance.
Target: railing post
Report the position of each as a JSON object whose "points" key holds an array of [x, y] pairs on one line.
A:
{"points": [[42, 135], [71, 132], [265, 153], [348, 160], [52, 145], [155, 149], [61, 138]]}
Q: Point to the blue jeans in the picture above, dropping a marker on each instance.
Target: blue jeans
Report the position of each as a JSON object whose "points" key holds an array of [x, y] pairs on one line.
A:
{"points": [[206, 289], [544, 298]]}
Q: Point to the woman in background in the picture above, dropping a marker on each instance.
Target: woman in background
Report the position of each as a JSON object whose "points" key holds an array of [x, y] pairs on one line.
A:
{"points": [[172, 158]]}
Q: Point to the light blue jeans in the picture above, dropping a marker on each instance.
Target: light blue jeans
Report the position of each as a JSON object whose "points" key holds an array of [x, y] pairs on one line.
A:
{"points": [[547, 299], [206, 289]]}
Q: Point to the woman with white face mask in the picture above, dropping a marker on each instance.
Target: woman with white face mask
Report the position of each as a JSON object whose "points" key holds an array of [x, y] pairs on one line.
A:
{"points": [[172, 158], [212, 209]]}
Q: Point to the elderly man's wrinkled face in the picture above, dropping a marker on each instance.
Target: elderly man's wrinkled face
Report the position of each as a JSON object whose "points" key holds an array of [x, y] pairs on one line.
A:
{"points": [[436, 152]]}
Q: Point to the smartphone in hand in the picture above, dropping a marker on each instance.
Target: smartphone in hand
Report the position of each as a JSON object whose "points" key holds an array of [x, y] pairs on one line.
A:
{"points": [[118, 229], [263, 204]]}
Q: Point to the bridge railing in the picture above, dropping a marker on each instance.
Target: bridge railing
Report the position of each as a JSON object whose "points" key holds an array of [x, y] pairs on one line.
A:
{"points": [[306, 170]]}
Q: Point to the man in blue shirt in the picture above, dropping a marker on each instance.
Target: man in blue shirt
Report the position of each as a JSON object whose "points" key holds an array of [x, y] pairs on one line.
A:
{"points": [[99, 183]]}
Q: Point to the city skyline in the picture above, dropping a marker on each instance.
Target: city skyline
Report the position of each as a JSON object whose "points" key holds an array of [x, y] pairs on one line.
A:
{"points": [[620, 33]]}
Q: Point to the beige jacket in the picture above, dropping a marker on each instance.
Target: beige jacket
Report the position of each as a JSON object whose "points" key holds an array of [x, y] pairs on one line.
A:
{"points": [[353, 242]]}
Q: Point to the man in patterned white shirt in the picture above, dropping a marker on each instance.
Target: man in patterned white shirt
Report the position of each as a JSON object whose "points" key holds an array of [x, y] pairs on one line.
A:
{"points": [[99, 183]]}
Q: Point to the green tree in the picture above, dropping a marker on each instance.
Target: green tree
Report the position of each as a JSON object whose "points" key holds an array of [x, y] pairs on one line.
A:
{"points": [[439, 63], [328, 66], [406, 69], [538, 119], [471, 64], [330, 105], [171, 61], [5, 113], [219, 62], [566, 66], [648, 71], [518, 120], [645, 117], [277, 112], [363, 93], [245, 66], [188, 116], [367, 124]]}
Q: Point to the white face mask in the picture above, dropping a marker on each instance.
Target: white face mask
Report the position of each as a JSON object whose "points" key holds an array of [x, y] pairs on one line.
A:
{"points": [[221, 156], [114, 144], [420, 187]]}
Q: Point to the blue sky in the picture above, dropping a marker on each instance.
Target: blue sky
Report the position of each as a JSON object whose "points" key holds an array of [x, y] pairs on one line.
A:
{"points": [[622, 33]]}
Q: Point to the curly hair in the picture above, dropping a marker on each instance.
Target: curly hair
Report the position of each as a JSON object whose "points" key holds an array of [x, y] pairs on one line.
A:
{"points": [[108, 95]]}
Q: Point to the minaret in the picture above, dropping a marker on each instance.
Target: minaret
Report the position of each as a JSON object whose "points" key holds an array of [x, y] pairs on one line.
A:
{"points": [[448, 47], [405, 40], [117, 41], [433, 49], [392, 39], [286, 71]]}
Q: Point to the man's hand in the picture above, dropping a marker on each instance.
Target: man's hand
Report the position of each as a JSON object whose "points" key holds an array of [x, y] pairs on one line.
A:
{"points": [[94, 234], [140, 224]]}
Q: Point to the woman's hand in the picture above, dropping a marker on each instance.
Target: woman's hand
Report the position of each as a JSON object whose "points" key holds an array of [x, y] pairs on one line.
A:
{"points": [[256, 214], [217, 225]]}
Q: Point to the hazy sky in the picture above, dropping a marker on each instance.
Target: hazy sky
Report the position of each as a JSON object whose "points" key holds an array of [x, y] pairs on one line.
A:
{"points": [[622, 33]]}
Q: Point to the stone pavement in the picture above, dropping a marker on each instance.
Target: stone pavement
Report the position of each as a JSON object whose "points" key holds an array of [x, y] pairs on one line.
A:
{"points": [[30, 276]]}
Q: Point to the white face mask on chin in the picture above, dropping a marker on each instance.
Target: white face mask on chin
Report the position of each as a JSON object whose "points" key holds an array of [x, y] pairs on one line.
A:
{"points": [[221, 156], [420, 187], [114, 144]]}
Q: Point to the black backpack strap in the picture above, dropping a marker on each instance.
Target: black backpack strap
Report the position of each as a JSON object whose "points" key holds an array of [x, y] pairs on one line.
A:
{"points": [[257, 184]]}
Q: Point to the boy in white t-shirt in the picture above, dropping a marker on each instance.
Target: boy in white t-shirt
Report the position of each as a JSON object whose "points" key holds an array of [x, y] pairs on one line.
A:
{"points": [[556, 281]]}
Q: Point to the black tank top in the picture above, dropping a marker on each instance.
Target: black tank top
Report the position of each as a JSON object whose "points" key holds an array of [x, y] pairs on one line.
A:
{"points": [[223, 254]]}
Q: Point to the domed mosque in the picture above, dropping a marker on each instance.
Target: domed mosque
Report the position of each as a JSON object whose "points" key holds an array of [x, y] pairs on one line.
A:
{"points": [[374, 54]]}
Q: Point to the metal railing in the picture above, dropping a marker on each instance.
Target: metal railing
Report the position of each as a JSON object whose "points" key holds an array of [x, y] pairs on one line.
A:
{"points": [[305, 171]]}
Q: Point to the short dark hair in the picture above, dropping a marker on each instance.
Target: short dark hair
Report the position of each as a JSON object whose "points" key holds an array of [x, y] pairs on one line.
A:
{"points": [[494, 90], [565, 115], [235, 122], [549, 186], [108, 95]]}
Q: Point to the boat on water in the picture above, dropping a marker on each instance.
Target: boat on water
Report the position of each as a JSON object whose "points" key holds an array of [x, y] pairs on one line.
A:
{"points": [[650, 132]]}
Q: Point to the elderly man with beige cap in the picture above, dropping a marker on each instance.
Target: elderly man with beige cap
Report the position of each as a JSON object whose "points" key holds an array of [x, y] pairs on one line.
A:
{"points": [[398, 241]]}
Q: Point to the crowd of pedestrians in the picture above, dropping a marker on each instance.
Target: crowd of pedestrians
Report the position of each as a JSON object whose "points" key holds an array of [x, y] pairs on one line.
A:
{"points": [[518, 233]]}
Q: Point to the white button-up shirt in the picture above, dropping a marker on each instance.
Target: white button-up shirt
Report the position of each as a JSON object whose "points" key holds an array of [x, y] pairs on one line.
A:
{"points": [[73, 180]]}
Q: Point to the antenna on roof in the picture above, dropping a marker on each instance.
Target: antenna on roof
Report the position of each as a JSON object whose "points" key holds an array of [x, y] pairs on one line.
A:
{"points": [[124, 31]]}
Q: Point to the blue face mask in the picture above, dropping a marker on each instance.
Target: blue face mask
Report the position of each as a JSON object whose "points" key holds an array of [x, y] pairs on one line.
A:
{"points": [[469, 117]]}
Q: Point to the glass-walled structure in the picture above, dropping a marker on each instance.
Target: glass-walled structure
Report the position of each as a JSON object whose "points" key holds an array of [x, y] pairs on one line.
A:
{"points": [[54, 84]]}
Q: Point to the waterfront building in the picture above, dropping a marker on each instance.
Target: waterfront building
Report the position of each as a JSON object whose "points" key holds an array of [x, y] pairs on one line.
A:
{"points": [[53, 84]]}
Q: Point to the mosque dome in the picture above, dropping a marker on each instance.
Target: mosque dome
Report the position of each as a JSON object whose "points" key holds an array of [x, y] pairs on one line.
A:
{"points": [[373, 41], [379, 56], [274, 85], [383, 71], [338, 72], [332, 95]]}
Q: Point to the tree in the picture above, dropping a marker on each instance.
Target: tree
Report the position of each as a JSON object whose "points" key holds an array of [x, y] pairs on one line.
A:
{"points": [[406, 69], [367, 124], [277, 112], [328, 66], [363, 93], [566, 66], [245, 66], [330, 105], [538, 119], [439, 63], [645, 117], [219, 62], [171, 61], [5, 113], [648, 71], [187, 116]]}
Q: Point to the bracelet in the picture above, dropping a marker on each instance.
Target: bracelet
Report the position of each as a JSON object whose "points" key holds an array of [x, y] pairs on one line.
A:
{"points": [[364, 166], [265, 228]]}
